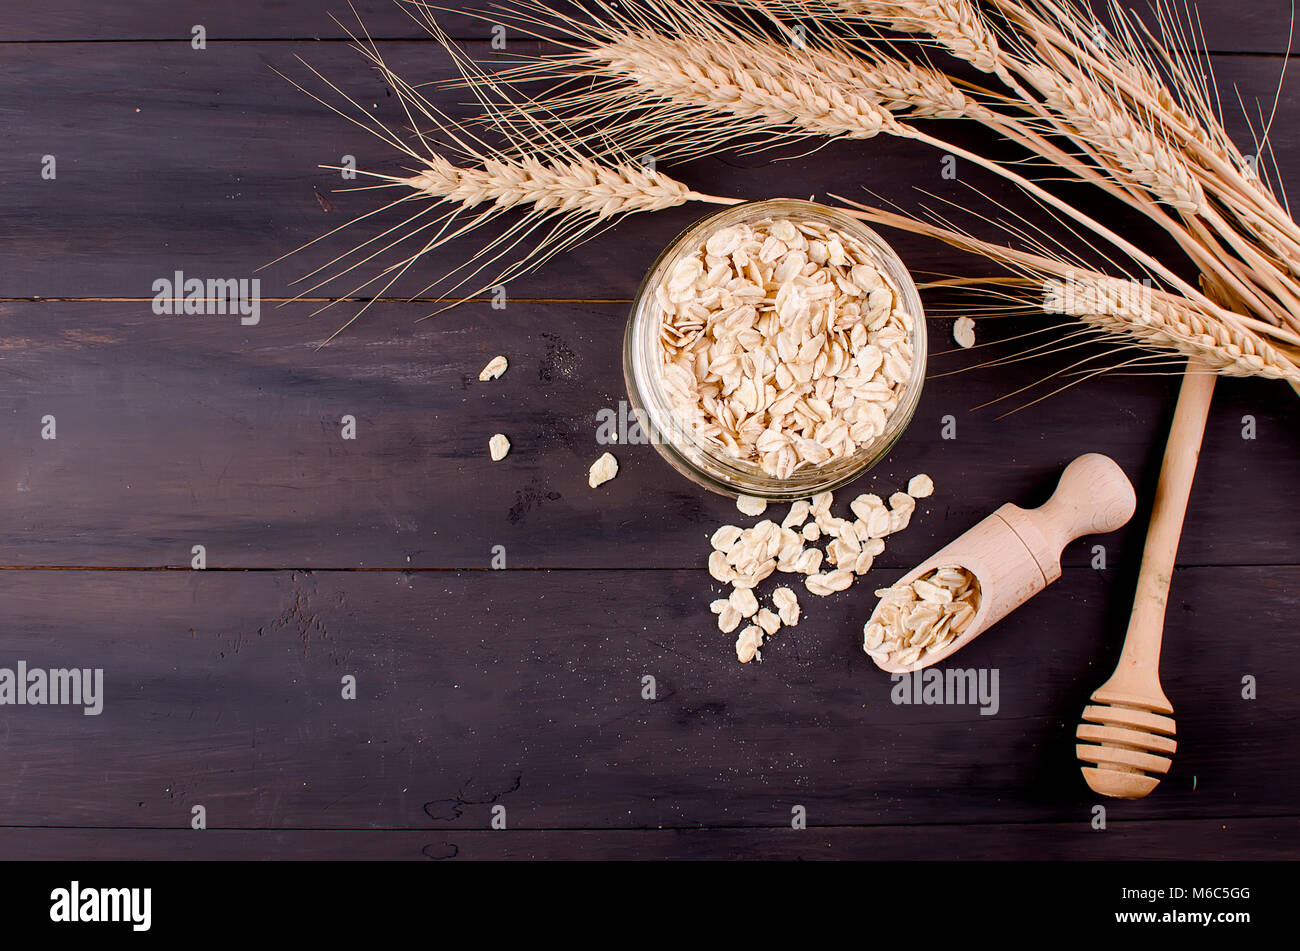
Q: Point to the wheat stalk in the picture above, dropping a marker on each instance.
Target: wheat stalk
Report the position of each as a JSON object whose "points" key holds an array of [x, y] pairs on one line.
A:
{"points": [[766, 91], [1116, 110], [959, 27], [725, 80], [683, 79], [1164, 321], [1119, 113], [1120, 306], [695, 79], [1116, 104], [1126, 79]]}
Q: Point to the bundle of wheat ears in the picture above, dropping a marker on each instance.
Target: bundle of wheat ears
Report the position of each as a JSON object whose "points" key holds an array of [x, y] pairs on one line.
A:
{"points": [[1127, 109]]}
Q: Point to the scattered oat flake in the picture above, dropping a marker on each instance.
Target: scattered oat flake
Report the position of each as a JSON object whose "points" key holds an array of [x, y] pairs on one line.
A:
{"points": [[748, 643], [963, 331], [602, 470], [824, 585], [719, 567], [787, 606], [939, 606], [797, 515], [725, 538], [768, 621], [743, 600], [498, 446], [495, 367], [920, 486]]}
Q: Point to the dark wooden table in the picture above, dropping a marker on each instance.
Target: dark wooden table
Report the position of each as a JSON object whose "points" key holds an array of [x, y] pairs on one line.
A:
{"points": [[371, 558]]}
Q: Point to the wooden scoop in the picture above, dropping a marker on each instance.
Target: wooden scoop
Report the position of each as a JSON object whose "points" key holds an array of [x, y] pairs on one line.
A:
{"points": [[1016, 553], [1128, 734]]}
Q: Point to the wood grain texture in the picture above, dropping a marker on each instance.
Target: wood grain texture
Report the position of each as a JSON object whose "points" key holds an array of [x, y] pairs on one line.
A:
{"points": [[1215, 840], [173, 20], [522, 687], [173, 159], [1259, 26]]}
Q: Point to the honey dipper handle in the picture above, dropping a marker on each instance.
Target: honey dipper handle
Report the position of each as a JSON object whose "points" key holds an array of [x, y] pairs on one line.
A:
{"points": [[1093, 497], [1139, 663]]}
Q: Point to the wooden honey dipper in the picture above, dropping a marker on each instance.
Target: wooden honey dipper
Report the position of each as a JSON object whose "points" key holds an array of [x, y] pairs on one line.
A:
{"points": [[1015, 552], [1128, 733]]}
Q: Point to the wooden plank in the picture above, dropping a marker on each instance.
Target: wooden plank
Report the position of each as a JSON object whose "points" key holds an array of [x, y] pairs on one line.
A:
{"points": [[70, 20], [233, 182], [524, 689], [1269, 839], [1260, 26], [182, 431], [206, 162]]}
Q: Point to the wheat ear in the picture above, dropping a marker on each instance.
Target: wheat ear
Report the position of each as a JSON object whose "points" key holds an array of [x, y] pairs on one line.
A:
{"points": [[955, 25], [563, 195], [566, 186]]}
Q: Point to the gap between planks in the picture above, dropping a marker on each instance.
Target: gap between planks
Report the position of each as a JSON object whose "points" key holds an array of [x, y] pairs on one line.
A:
{"points": [[335, 300], [419, 571], [739, 827], [413, 38], [476, 39]]}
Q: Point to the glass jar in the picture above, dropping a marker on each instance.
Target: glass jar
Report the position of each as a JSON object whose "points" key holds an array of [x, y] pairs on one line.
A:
{"points": [[707, 464]]}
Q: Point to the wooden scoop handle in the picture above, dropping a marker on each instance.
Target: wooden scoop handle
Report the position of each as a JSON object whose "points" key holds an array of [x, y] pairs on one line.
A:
{"points": [[1093, 497]]}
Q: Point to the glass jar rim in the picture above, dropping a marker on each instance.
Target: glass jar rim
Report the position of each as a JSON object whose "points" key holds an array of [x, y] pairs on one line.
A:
{"points": [[707, 465]]}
